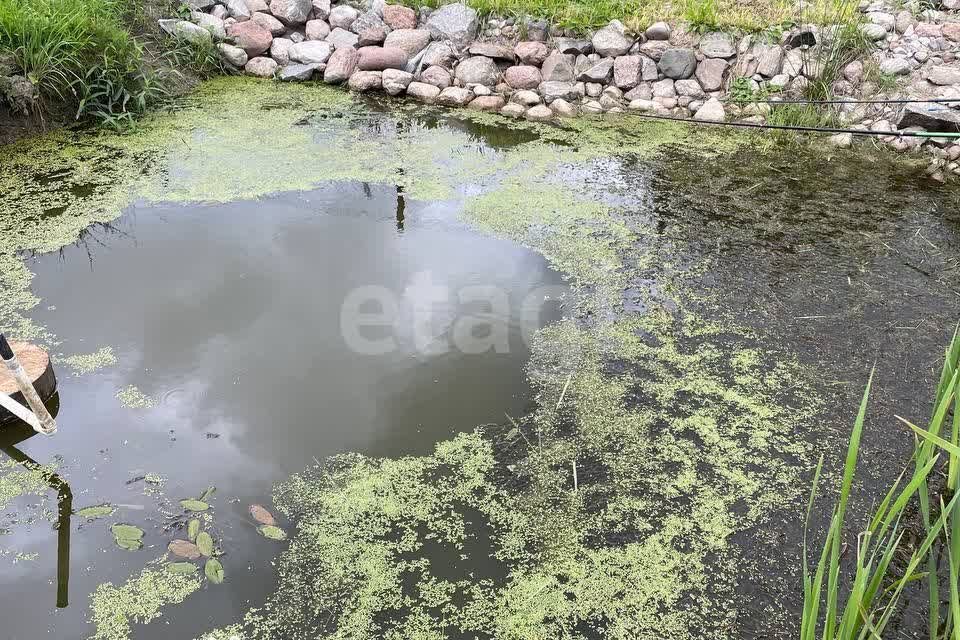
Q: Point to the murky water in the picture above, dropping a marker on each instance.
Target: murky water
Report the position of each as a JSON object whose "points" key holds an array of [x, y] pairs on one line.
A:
{"points": [[270, 332], [237, 322]]}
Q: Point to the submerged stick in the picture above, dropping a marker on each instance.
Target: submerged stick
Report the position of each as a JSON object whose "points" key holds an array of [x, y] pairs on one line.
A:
{"points": [[564, 392]]}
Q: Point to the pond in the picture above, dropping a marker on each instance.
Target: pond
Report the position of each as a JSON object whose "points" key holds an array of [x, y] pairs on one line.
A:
{"points": [[544, 381]]}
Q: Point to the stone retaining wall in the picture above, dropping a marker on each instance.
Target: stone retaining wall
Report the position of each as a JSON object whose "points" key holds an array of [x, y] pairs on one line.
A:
{"points": [[449, 57]]}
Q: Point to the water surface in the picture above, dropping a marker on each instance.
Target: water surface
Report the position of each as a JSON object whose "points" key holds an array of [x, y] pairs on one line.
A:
{"points": [[228, 318]]}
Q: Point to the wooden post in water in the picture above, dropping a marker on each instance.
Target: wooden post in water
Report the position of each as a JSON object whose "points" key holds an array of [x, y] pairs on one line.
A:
{"points": [[19, 379]]}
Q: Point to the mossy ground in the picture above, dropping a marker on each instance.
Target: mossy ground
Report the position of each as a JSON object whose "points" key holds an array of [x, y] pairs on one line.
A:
{"points": [[685, 428]]}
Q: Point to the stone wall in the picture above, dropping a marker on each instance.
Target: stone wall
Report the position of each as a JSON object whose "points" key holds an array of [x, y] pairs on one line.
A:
{"points": [[450, 57]]}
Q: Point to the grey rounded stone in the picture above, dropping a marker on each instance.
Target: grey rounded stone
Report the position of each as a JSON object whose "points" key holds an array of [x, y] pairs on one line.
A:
{"points": [[363, 81], [342, 16], [234, 55], [539, 113], [310, 52], [478, 70], [612, 40], [678, 63], [261, 67], [454, 22]]}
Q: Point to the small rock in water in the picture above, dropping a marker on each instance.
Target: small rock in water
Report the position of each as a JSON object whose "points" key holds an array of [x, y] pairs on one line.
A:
{"points": [[395, 81], [363, 81], [184, 549], [261, 515], [292, 73], [539, 113]]}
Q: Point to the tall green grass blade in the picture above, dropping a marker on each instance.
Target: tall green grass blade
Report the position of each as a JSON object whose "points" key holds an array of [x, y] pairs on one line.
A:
{"points": [[808, 620], [849, 469]]}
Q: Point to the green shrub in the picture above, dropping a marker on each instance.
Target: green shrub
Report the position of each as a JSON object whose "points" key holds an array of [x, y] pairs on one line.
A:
{"points": [[78, 52]]}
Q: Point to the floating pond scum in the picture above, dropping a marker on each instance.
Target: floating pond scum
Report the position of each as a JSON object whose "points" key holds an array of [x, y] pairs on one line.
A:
{"points": [[648, 486]]}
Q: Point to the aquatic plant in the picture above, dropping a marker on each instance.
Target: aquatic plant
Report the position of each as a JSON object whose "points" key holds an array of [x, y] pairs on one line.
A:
{"points": [[943, 624], [865, 607], [132, 398], [683, 432], [20, 479], [140, 600], [84, 363]]}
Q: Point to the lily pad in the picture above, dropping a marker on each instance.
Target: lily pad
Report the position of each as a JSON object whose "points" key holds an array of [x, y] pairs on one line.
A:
{"points": [[261, 515], [271, 532], [214, 571], [96, 511], [205, 543], [126, 532], [194, 505], [184, 549], [129, 544], [193, 528], [206, 495], [182, 568]]}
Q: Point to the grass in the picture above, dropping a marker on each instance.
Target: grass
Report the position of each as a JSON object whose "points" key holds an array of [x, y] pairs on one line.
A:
{"points": [[823, 65], [83, 53], [579, 15], [858, 602]]}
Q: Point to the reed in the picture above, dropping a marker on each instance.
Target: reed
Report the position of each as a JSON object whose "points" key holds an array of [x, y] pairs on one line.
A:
{"points": [[846, 603]]}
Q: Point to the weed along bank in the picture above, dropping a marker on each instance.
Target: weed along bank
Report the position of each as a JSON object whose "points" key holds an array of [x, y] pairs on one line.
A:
{"points": [[527, 321]]}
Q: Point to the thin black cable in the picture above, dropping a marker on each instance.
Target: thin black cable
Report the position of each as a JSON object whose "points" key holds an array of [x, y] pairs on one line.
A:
{"points": [[784, 127], [837, 101]]}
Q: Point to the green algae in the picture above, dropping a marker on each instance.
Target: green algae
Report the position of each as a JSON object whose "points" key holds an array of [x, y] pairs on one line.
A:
{"points": [[242, 139], [84, 363], [682, 431], [23, 479], [132, 398], [139, 600]]}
